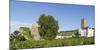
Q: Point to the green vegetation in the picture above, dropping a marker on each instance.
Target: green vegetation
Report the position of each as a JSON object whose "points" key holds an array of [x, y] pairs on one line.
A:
{"points": [[68, 33], [73, 33], [26, 32], [51, 43], [17, 36], [48, 27], [21, 39]]}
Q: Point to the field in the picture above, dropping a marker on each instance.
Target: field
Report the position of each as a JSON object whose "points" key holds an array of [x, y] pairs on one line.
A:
{"points": [[51, 43]]}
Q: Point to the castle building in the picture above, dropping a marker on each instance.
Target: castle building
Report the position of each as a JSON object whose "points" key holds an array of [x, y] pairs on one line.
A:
{"points": [[85, 31]]}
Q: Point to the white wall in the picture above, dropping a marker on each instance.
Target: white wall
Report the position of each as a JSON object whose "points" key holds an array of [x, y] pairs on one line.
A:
{"points": [[82, 32], [90, 33]]}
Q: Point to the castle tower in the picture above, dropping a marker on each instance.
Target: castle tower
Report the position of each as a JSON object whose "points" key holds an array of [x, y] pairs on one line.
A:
{"points": [[83, 23], [34, 32]]}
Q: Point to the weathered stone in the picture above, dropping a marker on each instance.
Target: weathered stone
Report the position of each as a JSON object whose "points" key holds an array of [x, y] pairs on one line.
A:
{"points": [[34, 32]]}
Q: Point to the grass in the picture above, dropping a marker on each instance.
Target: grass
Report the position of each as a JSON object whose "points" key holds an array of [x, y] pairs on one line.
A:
{"points": [[50, 43]]}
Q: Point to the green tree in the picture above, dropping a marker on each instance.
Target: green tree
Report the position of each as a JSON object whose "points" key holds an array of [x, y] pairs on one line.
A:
{"points": [[26, 32], [16, 36], [48, 26], [77, 34]]}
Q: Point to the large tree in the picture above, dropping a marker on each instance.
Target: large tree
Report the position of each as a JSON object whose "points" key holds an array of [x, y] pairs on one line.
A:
{"points": [[48, 26]]}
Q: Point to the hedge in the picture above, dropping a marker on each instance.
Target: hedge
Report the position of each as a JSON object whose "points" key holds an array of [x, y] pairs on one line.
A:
{"points": [[50, 43]]}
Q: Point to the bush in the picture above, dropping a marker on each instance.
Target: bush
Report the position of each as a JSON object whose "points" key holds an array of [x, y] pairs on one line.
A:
{"points": [[51, 43]]}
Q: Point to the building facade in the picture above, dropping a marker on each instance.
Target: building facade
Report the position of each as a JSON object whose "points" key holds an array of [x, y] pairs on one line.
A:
{"points": [[85, 31]]}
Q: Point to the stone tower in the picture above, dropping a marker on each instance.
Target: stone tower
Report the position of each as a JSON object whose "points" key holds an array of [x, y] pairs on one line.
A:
{"points": [[84, 23], [34, 32]]}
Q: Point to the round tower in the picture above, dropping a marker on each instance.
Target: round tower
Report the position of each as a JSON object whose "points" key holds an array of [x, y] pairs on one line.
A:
{"points": [[34, 32], [84, 23]]}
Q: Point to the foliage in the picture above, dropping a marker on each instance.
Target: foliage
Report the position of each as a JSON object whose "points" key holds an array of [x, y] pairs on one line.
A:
{"points": [[51, 43], [21, 35], [48, 27], [16, 36], [26, 32], [77, 35]]}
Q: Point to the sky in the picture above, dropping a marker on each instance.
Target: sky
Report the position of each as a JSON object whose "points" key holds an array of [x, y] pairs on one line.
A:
{"points": [[68, 15]]}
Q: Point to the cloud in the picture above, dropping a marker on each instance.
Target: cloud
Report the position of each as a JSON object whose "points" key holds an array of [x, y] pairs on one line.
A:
{"points": [[14, 25]]}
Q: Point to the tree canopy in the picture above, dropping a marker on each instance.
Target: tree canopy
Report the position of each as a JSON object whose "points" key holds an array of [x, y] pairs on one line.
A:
{"points": [[48, 26], [17, 36], [26, 32]]}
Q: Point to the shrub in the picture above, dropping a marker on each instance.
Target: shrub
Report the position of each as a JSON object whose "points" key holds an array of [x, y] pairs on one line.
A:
{"points": [[50, 43]]}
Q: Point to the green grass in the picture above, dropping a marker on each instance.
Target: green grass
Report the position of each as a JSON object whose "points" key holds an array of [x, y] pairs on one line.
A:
{"points": [[50, 43]]}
